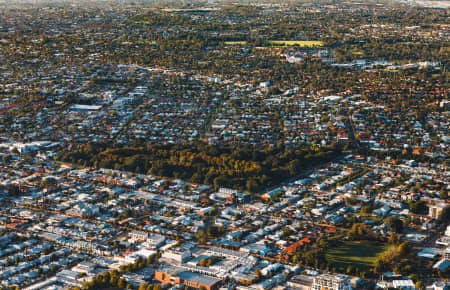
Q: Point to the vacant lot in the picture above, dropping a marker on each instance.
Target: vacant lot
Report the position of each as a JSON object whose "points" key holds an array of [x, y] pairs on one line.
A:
{"points": [[361, 255]]}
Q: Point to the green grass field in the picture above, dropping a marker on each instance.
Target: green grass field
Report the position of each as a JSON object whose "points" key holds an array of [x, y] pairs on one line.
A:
{"points": [[361, 255], [302, 43], [356, 52], [235, 42]]}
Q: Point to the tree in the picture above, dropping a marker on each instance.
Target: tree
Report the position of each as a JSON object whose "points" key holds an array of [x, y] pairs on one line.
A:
{"points": [[54, 268], [414, 277], [258, 274], [252, 185], [46, 182], [6, 159], [114, 278], [202, 237], [106, 277], [287, 231], [209, 262], [202, 263], [404, 249], [417, 207], [13, 190], [420, 285], [394, 239], [149, 260], [366, 209], [443, 194], [249, 168], [444, 217], [395, 224], [122, 283], [359, 231]]}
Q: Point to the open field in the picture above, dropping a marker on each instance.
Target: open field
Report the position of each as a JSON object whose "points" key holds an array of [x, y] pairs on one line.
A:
{"points": [[302, 43], [235, 42], [357, 52], [361, 255]]}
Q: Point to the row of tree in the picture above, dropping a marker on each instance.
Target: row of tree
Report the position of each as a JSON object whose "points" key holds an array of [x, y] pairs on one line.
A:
{"points": [[246, 168]]}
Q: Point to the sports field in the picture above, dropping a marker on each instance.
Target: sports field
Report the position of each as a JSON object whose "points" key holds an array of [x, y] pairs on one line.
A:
{"points": [[301, 43], [235, 42]]}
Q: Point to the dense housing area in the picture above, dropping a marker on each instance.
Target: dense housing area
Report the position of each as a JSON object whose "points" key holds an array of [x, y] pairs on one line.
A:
{"points": [[220, 145]]}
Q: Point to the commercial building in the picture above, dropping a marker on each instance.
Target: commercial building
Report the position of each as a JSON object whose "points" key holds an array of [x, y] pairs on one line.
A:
{"points": [[404, 284], [435, 210], [176, 276], [177, 255], [300, 282], [136, 236], [330, 282]]}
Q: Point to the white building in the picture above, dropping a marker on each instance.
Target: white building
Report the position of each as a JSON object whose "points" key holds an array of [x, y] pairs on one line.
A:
{"points": [[404, 284], [131, 258], [330, 282], [155, 241], [435, 210], [177, 255], [136, 236]]}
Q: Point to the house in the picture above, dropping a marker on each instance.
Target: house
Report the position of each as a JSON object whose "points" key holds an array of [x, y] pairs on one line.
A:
{"points": [[446, 253], [83, 210], [271, 268], [442, 265], [291, 249], [382, 211], [439, 285], [271, 194], [204, 211]]}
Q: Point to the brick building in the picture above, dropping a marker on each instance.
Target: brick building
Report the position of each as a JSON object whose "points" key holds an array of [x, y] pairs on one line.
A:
{"points": [[175, 276]]}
